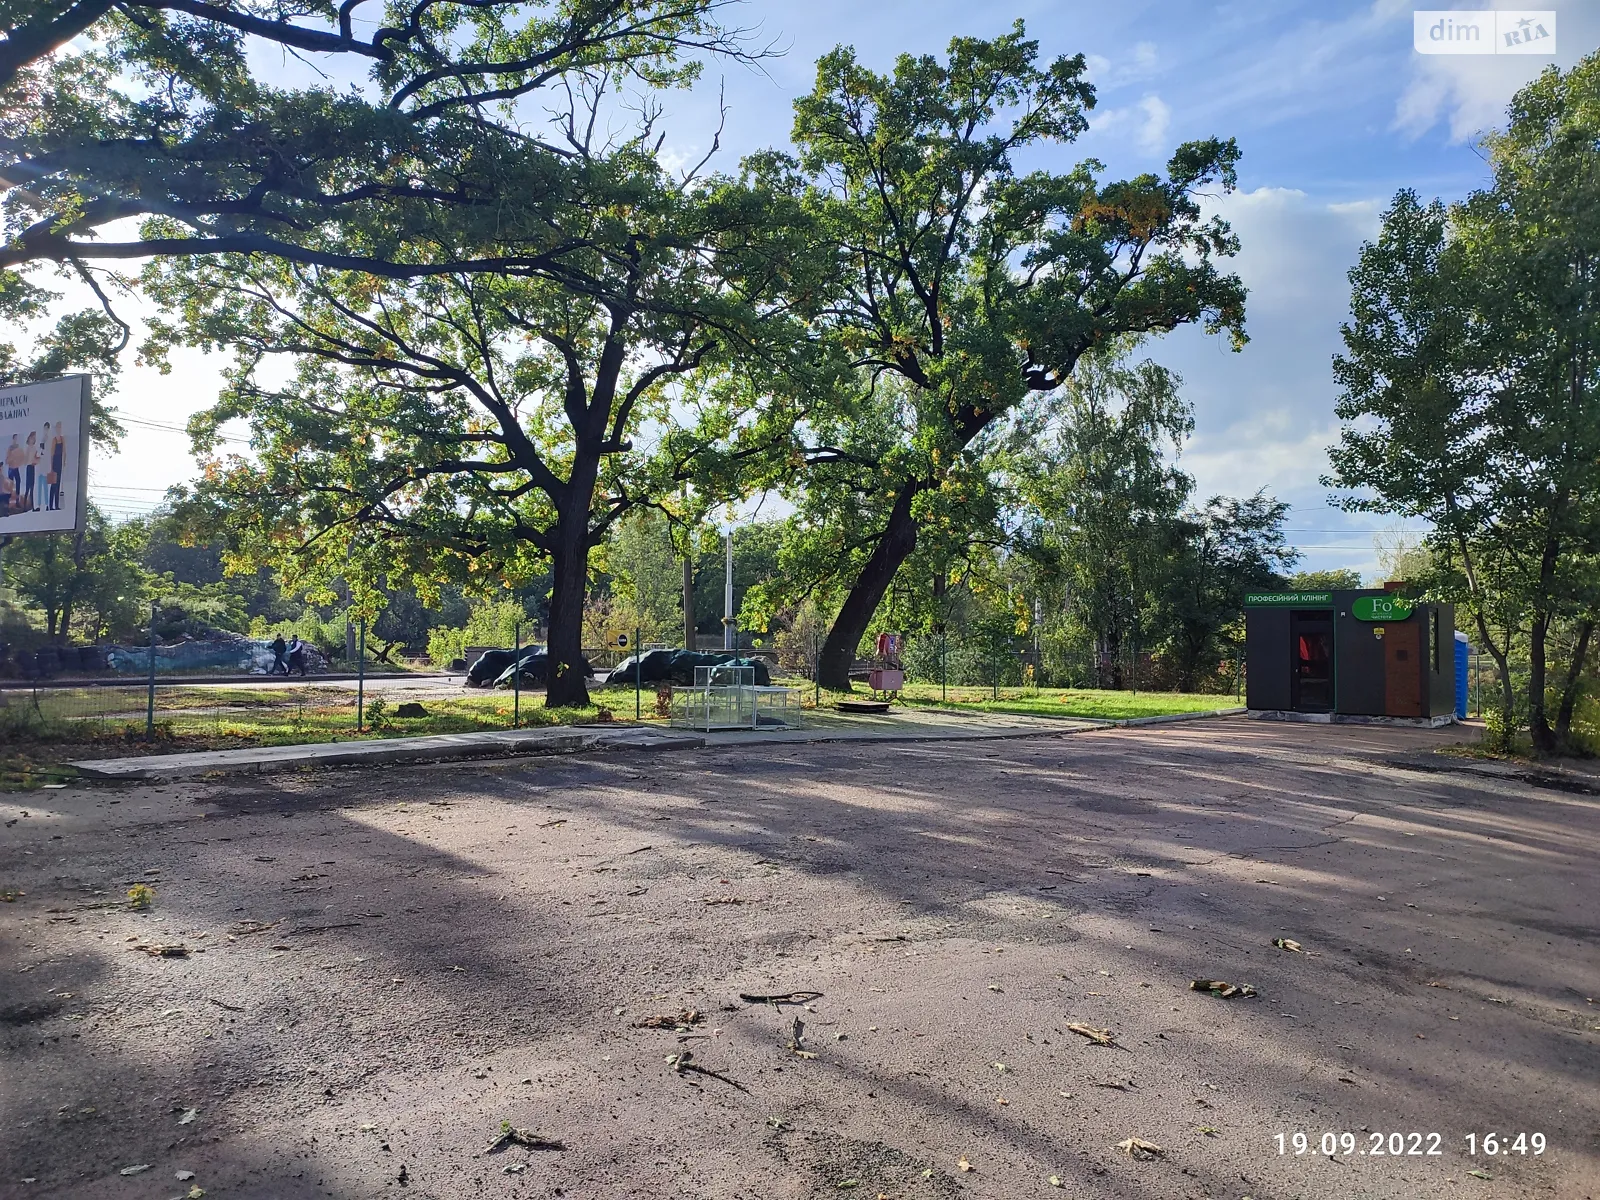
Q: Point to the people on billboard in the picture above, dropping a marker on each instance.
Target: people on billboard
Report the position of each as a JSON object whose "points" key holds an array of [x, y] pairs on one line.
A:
{"points": [[33, 471]]}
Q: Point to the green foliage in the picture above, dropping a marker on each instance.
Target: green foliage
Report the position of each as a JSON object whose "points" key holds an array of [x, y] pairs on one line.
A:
{"points": [[1104, 501], [489, 623], [967, 288], [1333, 580], [1471, 390], [376, 715], [92, 576]]}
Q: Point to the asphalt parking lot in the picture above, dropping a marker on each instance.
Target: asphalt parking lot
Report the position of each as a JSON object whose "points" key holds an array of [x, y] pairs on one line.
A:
{"points": [[381, 968]]}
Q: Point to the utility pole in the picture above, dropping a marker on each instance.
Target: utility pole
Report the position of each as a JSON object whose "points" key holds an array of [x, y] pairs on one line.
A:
{"points": [[728, 635], [688, 600]]}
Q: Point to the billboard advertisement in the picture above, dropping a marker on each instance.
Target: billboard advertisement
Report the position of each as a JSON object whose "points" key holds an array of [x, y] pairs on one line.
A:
{"points": [[44, 455]]}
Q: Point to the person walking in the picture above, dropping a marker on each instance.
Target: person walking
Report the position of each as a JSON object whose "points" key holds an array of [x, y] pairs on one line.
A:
{"points": [[279, 666], [297, 656]]}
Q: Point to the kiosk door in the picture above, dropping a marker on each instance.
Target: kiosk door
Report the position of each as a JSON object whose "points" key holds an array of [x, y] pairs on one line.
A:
{"points": [[1311, 657], [1402, 668]]}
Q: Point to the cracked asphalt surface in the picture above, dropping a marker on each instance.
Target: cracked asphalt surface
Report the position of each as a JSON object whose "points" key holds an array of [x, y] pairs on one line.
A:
{"points": [[384, 965]]}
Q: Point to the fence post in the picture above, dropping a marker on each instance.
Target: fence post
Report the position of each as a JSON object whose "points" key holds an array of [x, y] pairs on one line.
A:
{"points": [[816, 669], [994, 666], [944, 663], [150, 691], [638, 678], [516, 676], [361, 676]]}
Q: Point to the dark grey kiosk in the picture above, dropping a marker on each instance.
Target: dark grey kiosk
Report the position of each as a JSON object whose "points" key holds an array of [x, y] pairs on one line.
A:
{"points": [[1367, 655]]}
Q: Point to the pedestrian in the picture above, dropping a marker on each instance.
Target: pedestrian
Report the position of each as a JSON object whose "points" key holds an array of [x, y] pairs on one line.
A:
{"points": [[279, 666], [297, 656]]}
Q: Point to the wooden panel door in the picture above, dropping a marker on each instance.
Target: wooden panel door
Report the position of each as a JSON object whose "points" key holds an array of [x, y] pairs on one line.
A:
{"points": [[1402, 669]]}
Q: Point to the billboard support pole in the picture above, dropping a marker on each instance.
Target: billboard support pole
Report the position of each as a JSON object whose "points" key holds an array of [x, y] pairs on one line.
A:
{"points": [[150, 689]]}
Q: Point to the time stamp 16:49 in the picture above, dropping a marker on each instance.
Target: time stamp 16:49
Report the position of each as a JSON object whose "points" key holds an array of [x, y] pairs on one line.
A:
{"points": [[1409, 1145]]}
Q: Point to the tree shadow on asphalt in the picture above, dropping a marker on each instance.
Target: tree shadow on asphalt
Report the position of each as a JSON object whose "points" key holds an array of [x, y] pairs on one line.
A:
{"points": [[1065, 825]]}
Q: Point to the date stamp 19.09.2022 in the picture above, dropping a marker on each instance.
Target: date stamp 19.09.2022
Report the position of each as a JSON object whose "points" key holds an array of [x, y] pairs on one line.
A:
{"points": [[1394, 1144]]}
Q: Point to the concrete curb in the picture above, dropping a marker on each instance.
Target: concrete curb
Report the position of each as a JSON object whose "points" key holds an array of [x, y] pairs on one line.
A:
{"points": [[266, 760], [1169, 718], [160, 768]]}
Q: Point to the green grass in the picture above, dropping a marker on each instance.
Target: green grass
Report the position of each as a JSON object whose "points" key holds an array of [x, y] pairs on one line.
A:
{"points": [[101, 723], [1063, 702]]}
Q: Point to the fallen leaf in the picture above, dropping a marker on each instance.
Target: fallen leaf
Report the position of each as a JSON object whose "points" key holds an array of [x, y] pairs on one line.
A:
{"points": [[1288, 944], [1139, 1148], [185, 1176], [962, 1164], [1001, 1067], [1055, 1181], [1209, 1131], [845, 1184], [1478, 1174], [1221, 987], [995, 987], [512, 1136], [134, 1170], [188, 1115], [682, 1019], [1100, 1037]]}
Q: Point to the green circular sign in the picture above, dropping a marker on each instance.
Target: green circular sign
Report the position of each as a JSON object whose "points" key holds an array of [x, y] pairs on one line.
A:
{"points": [[1381, 608]]}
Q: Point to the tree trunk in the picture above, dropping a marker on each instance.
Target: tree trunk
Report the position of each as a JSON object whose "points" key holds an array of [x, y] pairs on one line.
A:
{"points": [[1502, 661], [1544, 738], [850, 626], [1569, 691], [565, 683]]}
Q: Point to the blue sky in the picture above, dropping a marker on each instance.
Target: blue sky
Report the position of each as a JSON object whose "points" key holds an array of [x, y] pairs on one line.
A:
{"points": [[1332, 109]]}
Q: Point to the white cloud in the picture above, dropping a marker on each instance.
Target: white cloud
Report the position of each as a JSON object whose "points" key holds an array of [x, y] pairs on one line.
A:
{"points": [[1264, 417], [1142, 63], [1146, 122], [1468, 92]]}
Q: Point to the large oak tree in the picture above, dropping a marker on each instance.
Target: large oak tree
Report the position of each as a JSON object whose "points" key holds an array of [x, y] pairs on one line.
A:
{"points": [[972, 285], [472, 428]]}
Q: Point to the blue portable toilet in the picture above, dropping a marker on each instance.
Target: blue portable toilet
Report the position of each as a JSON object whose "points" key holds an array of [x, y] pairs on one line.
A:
{"points": [[1462, 652]]}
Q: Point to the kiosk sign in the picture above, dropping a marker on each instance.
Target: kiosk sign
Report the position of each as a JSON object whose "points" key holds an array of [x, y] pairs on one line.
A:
{"points": [[1380, 608], [44, 456], [1289, 599]]}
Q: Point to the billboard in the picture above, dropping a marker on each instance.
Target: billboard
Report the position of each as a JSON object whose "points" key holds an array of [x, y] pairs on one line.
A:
{"points": [[44, 456]]}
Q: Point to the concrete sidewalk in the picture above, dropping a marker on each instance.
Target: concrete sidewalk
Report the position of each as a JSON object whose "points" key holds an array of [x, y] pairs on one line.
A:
{"points": [[898, 725], [254, 760]]}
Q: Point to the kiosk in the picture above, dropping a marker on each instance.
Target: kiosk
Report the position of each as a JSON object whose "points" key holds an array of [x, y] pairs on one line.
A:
{"points": [[1361, 655]]}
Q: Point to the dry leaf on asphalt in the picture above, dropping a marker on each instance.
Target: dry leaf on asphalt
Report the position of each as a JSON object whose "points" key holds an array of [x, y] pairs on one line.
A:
{"points": [[1478, 1174], [1100, 1037], [1221, 987], [188, 1115], [512, 1136], [134, 1170], [963, 1165], [1139, 1148], [1288, 944], [1055, 1181], [160, 950], [683, 1019]]}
